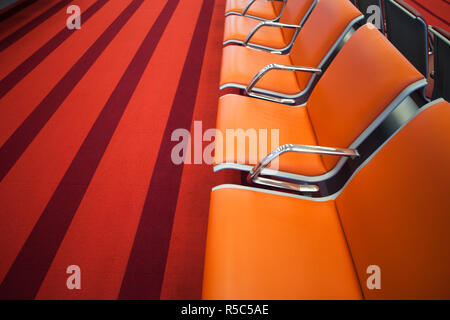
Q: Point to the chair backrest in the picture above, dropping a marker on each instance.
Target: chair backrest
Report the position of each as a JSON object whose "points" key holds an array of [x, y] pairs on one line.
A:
{"points": [[441, 63], [407, 30], [295, 12], [323, 29], [366, 76], [395, 212]]}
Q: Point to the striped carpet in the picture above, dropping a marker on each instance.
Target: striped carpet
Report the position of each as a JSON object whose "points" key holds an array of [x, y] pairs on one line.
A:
{"points": [[86, 118]]}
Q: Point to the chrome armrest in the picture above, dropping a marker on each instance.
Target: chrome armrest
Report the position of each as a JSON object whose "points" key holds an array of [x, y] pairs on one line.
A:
{"points": [[254, 174], [274, 66], [250, 3], [269, 24]]}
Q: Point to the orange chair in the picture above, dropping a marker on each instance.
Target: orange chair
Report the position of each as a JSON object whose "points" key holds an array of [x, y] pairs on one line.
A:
{"points": [[256, 9], [367, 80], [328, 27], [390, 221], [269, 35]]}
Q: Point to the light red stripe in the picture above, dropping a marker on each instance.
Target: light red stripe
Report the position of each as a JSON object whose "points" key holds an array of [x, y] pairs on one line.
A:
{"points": [[15, 54], [20, 101], [27, 188], [113, 201], [186, 252], [151, 244], [23, 31]]}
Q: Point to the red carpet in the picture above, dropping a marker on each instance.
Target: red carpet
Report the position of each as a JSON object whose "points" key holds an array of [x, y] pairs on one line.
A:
{"points": [[86, 119]]}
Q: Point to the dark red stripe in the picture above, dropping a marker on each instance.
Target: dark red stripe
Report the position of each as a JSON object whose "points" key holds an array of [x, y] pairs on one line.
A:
{"points": [[22, 70], [14, 147], [15, 9], [21, 32], [145, 270], [431, 12], [28, 271]]}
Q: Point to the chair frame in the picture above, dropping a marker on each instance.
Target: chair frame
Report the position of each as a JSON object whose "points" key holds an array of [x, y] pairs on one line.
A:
{"points": [[421, 21]]}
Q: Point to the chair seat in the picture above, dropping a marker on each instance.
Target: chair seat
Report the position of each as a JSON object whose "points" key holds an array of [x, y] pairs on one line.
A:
{"points": [[268, 10], [241, 112], [237, 28], [268, 246], [240, 65]]}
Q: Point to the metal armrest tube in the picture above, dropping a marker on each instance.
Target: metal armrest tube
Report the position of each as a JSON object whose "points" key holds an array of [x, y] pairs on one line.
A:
{"points": [[254, 174], [269, 24], [273, 99], [250, 3], [274, 66]]}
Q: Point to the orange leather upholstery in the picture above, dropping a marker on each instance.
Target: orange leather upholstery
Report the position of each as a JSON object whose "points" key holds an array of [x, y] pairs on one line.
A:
{"points": [[394, 214], [263, 9], [237, 27], [396, 211], [240, 65], [327, 22], [375, 71], [332, 116], [263, 246], [239, 112]]}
